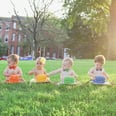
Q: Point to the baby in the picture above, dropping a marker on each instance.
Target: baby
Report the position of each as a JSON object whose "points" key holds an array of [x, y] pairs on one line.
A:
{"points": [[39, 71], [12, 72], [97, 73], [67, 74]]}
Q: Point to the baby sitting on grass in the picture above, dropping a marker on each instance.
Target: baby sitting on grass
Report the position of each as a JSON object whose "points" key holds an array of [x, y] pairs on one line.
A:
{"points": [[97, 73], [39, 71], [13, 72], [67, 74]]}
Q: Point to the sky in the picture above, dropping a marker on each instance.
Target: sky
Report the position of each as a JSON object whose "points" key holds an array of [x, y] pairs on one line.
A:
{"points": [[6, 8]]}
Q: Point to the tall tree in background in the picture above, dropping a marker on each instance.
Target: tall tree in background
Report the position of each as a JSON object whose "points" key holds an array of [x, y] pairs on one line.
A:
{"points": [[42, 29], [112, 31], [34, 25], [94, 14], [83, 43]]}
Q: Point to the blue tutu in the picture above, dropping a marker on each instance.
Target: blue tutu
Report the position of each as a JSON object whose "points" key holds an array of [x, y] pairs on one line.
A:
{"points": [[99, 79]]}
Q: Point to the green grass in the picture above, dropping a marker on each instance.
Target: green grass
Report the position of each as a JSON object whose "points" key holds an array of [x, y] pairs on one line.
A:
{"points": [[52, 100]]}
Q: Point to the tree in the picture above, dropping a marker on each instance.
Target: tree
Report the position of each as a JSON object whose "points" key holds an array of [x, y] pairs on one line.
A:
{"points": [[83, 43], [26, 46], [112, 31], [38, 26], [94, 14], [34, 25], [3, 48]]}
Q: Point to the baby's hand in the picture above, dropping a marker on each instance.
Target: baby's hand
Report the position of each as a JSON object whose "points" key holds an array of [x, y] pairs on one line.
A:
{"points": [[47, 75], [7, 75], [92, 77], [35, 73], [13, 72]]}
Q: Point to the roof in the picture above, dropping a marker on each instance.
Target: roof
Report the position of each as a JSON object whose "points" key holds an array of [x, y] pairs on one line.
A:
{"points": [[5, 19]]}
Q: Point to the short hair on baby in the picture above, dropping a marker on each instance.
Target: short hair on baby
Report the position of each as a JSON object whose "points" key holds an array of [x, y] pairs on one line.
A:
{"points": [[13, 57], [70, 60], [100, 59]]}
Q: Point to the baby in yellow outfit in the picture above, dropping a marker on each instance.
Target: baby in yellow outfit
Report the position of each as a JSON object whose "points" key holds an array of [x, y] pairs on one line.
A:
{"points": [[39, 71]]}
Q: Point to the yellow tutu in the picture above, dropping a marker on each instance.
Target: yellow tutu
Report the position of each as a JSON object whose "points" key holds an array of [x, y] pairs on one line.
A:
{"points": [[42, 78]]}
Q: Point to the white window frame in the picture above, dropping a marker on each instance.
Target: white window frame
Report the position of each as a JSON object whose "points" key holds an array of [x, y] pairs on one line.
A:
{"points": [[13, 36], [19, 37], [14, 25], [18, 50], [12, 49]]}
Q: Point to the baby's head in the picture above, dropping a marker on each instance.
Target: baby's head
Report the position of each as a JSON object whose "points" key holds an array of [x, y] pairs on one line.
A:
{"points": [[13, 60], [99, 61], [40, 61], [67, 63]]}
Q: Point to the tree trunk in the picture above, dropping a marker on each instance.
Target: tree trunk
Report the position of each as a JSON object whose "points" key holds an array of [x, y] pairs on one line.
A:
{"points": [[112, 32], [36, 50]]}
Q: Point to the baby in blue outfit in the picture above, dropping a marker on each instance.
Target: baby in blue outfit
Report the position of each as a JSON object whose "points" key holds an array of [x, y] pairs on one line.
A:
{"points": [[97, 73]]}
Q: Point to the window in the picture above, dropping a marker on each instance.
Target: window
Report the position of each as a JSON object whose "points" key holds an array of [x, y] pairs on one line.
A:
{"points": [[12, 50], [6, 39], [14, 25], [18, 50], [25, 36], [54, 55], [13, 37], [48, 54], [7, 27], [20, 29], [19, 38]]}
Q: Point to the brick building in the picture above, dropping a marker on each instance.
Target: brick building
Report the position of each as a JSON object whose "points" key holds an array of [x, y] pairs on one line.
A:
{"points": [[11, 34]]}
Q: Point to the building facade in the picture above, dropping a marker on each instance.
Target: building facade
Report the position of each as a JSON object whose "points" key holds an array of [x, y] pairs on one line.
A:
{"points": [[11, 34]]}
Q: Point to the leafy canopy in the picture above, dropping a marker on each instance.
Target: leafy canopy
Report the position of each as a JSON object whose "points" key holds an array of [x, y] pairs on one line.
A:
{"points": [[94, 13]]}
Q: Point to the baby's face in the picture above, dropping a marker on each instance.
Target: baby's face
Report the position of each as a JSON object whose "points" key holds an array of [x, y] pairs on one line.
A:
{"points": [[11, 63], [66, 65], [39, 64], [98, 65]]}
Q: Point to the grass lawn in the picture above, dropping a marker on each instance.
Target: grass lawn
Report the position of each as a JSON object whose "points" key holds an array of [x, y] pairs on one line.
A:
{"points": [[52, 100]]}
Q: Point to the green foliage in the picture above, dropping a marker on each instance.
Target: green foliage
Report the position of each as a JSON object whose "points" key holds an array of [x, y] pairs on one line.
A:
{"points": [[40, 31], [82, 40], [26, 45], [3, 48], [86, 24], [94, 13], [52, 100], [53, 33]]}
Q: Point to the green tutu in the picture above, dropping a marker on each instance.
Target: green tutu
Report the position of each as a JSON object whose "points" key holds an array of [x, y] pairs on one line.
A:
{"points": [[69, 80]]}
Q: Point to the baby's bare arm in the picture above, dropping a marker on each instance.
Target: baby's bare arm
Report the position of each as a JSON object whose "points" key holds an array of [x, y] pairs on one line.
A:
{"points": [[74, 74], [20, 73], [91, 74], [6, 72], [31, 72], [54, 72], [106, 75]]}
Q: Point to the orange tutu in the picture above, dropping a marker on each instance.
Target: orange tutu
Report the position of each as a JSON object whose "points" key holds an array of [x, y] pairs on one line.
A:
{"points": [[13, 79], [42, 78]]}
